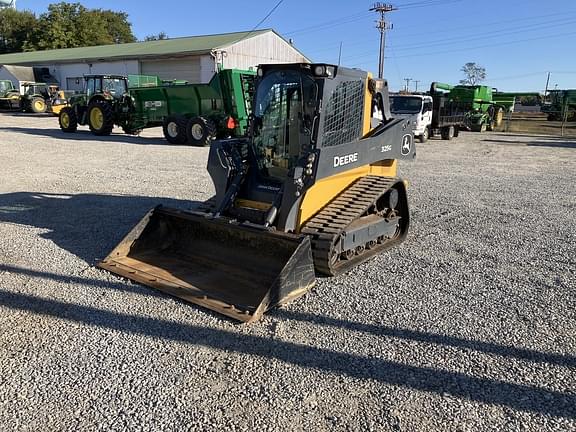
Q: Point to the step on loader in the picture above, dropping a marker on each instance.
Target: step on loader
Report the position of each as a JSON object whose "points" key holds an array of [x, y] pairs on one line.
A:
{"points": [[312, 189]]}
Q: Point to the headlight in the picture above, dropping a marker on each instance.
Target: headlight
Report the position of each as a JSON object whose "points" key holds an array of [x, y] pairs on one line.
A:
{"points": [[320, 70]]}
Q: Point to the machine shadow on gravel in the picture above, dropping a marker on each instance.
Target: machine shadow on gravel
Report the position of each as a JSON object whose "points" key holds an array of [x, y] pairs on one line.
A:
{"points": [[559, 144], [563, 360], [86, 135], [86, 225], [500, 392]]}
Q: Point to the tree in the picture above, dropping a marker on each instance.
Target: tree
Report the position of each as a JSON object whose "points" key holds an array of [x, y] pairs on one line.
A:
{"points": [[474, 73], [117, 25], [16, 27], [159, 36], [63, 25]]}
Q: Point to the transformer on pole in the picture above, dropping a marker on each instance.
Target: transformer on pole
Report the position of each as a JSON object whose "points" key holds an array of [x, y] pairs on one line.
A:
{"points": [[382, 25]]}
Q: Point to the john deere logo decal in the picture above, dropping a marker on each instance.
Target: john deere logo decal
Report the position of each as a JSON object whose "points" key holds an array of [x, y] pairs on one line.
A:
{"points": [[406, 144]]}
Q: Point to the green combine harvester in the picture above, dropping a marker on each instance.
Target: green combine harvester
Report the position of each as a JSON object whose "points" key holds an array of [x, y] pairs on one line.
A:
{"points": [[188, 113], [483, 106]]}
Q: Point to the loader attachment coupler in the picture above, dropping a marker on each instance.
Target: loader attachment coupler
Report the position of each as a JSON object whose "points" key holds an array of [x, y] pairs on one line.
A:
{"points": [[236, 270]]}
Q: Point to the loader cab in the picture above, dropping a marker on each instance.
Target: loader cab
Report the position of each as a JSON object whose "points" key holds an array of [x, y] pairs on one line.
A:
{"points": [[285, 107]]}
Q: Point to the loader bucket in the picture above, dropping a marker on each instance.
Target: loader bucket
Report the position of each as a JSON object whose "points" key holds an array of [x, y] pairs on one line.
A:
{"points": [[236, 270]]}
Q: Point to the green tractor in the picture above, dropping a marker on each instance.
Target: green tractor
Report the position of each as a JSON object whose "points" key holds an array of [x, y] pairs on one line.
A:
{"points": [[9, 95], [99, 106], [188, 113], [37, 97]]}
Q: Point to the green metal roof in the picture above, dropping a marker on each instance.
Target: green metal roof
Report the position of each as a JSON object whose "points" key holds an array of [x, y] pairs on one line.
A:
{"points": [[177, 46]]}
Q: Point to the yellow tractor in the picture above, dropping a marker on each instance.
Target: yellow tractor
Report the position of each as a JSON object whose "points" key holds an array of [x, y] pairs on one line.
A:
{"points": [[313, 188]]}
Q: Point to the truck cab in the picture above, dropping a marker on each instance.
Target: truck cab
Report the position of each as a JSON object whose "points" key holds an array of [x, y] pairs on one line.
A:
{"points": [[417, 108]]}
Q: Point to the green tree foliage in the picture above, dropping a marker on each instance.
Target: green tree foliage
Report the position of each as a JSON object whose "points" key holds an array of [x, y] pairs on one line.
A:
{"points": [[64, 25], [117, 25], [474, 74], [159, 36], [15, 29]]}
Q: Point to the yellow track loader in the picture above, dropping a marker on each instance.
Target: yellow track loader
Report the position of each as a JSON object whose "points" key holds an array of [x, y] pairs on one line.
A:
{"points": [[313, 188]]}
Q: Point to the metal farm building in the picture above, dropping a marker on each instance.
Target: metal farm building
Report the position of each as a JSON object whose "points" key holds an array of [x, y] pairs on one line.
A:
{"points": [[194, 59]]}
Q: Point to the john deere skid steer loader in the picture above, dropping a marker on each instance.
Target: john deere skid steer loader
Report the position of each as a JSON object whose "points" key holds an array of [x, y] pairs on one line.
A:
{"points": [[313, 188]]}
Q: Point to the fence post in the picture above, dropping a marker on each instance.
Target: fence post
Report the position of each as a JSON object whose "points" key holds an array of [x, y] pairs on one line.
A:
{"points": [[564, 117]]}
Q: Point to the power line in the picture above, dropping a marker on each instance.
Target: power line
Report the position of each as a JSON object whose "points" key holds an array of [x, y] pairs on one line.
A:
{"points": [[448, 29], [261, 21], [452, 41], [492, 34], [429, 3], [490, 45], [329, 24]]}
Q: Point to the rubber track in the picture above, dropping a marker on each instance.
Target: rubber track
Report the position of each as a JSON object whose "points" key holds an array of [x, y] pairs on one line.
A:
{"points": [[329, 223]]}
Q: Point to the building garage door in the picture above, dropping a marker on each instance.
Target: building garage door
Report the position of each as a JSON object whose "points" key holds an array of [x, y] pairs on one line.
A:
{"points": [[183, 69]]}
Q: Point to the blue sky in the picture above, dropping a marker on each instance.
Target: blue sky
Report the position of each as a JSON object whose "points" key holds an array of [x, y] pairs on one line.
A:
{"points": [[517, 41]]}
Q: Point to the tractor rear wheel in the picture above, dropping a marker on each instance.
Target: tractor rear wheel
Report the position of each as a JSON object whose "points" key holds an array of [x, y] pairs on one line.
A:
{"points": [[100, 117], [68, 120], [174, 129], [38, 105], [200, 131]]}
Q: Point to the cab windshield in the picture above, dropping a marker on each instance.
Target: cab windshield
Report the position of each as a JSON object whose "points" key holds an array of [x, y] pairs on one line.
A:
{"points": [[5, 86], [405, 105], [283, 116], [114, 86]]}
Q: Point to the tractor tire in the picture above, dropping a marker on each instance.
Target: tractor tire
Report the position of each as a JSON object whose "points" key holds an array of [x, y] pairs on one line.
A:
{"points": [[100, 118], [200, 131], [38, 105], [447, 133], [68, 120], [174, 129], [498, 117], [424, 137]]}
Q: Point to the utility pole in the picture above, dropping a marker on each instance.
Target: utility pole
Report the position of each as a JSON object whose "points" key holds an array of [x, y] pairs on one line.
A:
{"points": [[547, 82], [382, 26], [340, 53], [416, 81], [407, 83]]}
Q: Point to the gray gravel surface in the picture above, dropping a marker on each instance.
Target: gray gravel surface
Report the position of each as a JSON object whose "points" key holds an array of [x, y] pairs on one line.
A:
{"points": [[467, 326]]}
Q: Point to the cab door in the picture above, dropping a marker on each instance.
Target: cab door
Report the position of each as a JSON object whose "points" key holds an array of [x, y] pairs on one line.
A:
{"points": [[427, 112]]}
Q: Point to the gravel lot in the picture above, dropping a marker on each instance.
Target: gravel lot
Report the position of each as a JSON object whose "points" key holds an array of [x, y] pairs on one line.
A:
{"points": [[470, 325]]}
